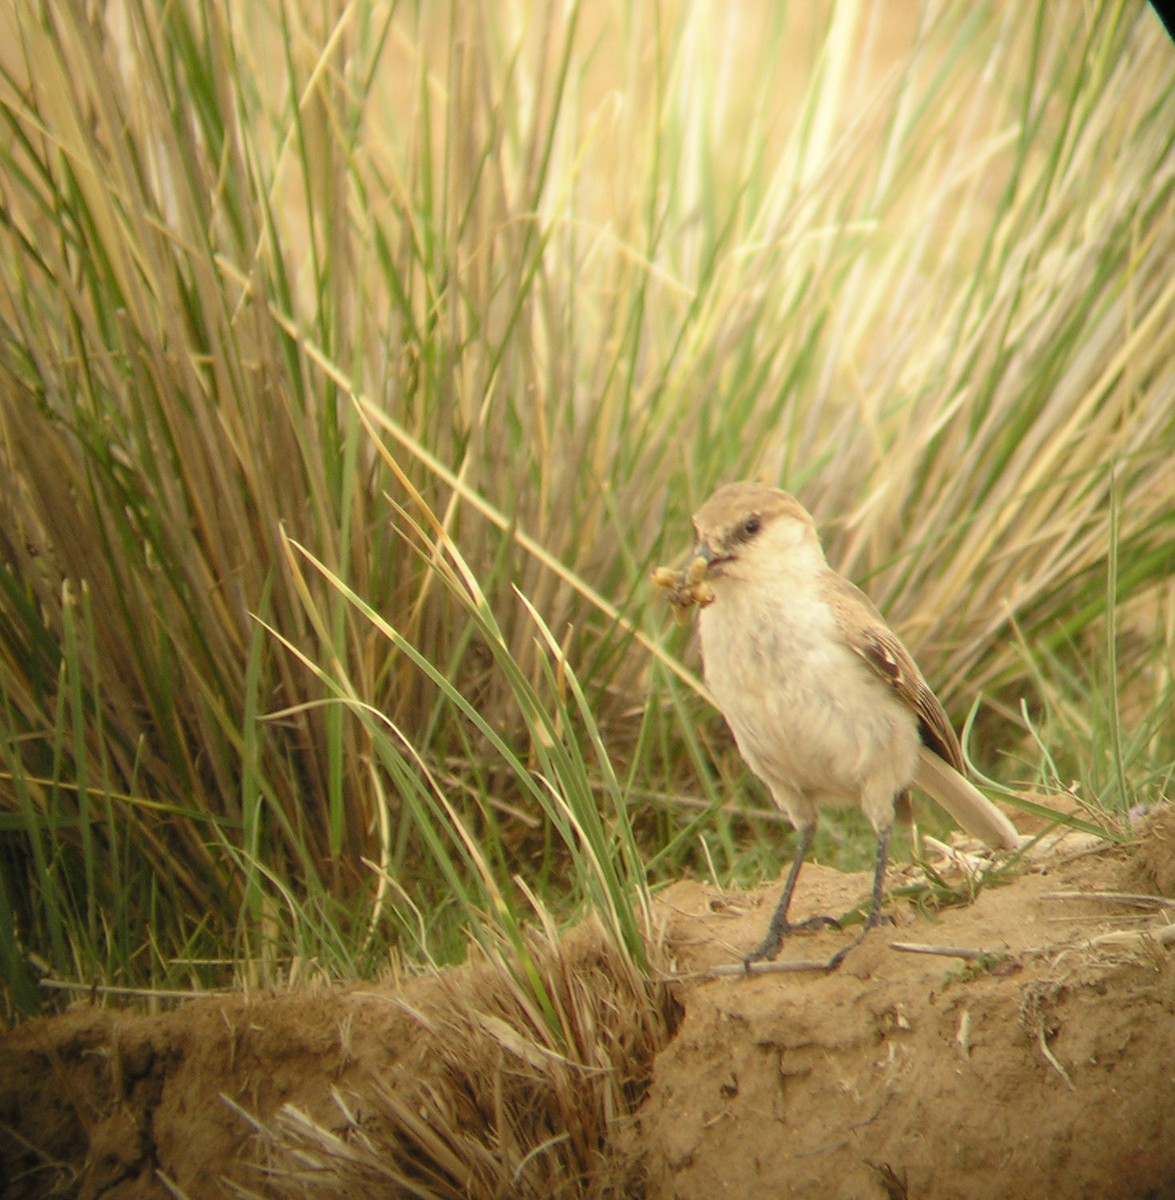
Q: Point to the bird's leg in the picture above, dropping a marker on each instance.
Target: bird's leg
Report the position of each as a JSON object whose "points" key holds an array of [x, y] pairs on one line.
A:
{"points": [[780, 926], [875, 916]]}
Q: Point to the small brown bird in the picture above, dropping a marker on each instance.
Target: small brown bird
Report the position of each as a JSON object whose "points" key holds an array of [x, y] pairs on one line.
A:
{"points": [[825, 702]]}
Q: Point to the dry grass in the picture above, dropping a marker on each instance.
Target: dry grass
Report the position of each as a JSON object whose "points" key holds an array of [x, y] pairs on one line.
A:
{"points": [[489, 1100]]}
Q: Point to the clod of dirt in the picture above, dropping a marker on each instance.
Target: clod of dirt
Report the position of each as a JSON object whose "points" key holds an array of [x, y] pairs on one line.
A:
{"points": [[1152, 862]]}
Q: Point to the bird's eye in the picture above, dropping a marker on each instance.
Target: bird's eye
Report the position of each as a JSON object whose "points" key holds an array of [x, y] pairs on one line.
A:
{"points": [[751, 526]]}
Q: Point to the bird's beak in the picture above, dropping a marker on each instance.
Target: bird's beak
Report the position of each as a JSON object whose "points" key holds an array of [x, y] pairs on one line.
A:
{"points": [[708, 555]]}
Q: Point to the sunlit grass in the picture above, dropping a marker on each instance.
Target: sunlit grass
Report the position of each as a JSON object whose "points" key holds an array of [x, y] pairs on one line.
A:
{"points": [[358, 364]]}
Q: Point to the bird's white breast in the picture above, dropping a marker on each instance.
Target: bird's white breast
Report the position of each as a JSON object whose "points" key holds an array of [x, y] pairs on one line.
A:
{"points": [[808, 714]]}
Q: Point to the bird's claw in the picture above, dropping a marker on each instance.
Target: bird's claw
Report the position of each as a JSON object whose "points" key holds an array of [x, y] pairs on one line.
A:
{"points": [[773, 943]]}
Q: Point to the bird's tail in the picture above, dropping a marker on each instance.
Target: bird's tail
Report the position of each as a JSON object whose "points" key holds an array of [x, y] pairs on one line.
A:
{"points": [[973, 810]]}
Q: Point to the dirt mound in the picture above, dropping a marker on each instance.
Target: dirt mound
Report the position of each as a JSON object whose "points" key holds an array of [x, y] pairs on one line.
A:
{"points": [[450, 1085], [1045, 1068], [919, 1075]]}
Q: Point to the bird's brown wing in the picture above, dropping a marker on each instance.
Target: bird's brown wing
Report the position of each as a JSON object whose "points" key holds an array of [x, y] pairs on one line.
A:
{"points": [[865, 631]]}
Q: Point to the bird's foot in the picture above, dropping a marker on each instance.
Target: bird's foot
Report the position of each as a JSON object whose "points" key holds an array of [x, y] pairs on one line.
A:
{"points": [[774, 940], [871, 921]]}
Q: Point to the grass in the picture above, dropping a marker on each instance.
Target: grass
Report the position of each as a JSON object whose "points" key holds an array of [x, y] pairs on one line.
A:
{"points": [[487, 1101], [359, 362]]}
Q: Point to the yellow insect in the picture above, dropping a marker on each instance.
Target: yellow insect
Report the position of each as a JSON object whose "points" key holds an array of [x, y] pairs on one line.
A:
{"points": [[686, 588]]}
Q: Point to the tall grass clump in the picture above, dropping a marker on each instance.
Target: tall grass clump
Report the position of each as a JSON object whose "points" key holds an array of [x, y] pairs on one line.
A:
{"points": [[357, 361]]}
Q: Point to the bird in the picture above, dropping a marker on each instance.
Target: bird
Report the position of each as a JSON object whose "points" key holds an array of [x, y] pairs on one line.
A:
{"points": [[826, 704]]}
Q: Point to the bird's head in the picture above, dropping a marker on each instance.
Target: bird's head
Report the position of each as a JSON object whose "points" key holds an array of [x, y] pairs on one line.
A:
{"points": [[756, 533]]}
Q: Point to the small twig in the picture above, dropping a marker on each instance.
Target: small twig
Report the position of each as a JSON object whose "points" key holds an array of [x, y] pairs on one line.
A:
{"points": [[98, 989], [760, 968], [963, 1033], [173, 1189], [1162, 935], [972, 864], [967, 952], [1051, 1058], [1139, 901]]}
